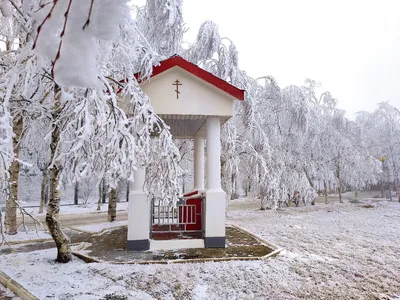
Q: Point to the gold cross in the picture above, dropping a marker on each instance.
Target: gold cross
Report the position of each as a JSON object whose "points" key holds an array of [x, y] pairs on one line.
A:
{"points": [[177, 84]]}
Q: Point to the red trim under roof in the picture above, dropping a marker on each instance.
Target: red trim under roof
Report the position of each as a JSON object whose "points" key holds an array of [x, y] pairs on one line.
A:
{"points": [[177, 60]]}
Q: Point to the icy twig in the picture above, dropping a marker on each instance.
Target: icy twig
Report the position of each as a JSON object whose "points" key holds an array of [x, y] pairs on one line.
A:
{"points": [[90, 14], [44, 21]]}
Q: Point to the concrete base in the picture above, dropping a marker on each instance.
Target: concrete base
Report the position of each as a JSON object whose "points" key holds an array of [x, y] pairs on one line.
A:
{"points": [[138, 245], [214, 218], [15, 287], [138, 221], [214, 242], [176, 244]]}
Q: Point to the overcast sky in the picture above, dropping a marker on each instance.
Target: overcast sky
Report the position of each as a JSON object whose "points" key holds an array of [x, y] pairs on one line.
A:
{"points": [[352, 47]]}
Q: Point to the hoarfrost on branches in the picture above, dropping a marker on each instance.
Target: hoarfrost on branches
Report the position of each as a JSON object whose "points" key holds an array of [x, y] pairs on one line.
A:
{"points": [[68, 33], [161, 22]]}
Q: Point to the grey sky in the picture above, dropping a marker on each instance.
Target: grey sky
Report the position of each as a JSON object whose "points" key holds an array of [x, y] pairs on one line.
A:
{"points": [[352, 47]]}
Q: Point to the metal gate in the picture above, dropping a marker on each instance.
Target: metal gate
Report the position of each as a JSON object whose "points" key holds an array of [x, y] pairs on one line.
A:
{"points": [[182, 219]]}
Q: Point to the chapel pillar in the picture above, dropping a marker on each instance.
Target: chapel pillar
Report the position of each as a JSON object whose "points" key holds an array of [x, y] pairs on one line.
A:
{"points": [[138, 214], [214, 229], [198, 163]]}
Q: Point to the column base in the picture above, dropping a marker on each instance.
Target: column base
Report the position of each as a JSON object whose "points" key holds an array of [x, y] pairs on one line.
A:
{"points": [[138, 221], [214, 219], [138, 245], [214, 242]]}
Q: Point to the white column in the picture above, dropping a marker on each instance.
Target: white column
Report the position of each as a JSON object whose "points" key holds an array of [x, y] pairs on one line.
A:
{"points": [[198, 163], [213, 154], [214, 208], [138, 214]]}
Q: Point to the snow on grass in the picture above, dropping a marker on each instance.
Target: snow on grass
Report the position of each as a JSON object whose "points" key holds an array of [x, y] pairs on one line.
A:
{"points": [[344, 249], [335, 251]]}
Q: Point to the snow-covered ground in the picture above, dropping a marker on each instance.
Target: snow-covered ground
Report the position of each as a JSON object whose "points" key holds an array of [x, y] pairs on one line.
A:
{"points": [[101, 226], [334, 251], [84, 217]]}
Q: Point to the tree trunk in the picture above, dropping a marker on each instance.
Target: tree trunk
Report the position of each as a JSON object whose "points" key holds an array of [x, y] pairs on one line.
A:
{"points": [[329, 187], [127, 191], [314, 199], [234, 194], [310, 181], [338, 180], [43, 190], [100, 197], [112, 205], [76, 194], [394, 183], [382, 189], [390, 191], [398, 194], [263, 205], [10, 221], [53, 208], [325, 193], [356, 195], [104, 193]]}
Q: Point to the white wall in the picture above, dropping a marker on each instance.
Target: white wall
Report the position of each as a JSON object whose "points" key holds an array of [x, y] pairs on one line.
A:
{"points": [[196, 97]]}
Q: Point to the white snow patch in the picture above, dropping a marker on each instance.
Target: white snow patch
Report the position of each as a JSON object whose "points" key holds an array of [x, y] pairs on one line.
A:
{"points": [[101, 226], [27, 235], [200, 292]]}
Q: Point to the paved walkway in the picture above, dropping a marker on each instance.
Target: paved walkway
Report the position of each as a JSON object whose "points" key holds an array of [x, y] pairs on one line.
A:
{"points": [[73, 220]]}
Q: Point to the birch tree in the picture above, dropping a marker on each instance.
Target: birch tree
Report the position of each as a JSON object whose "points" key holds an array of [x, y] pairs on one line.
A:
{"points": [[79, 47]]}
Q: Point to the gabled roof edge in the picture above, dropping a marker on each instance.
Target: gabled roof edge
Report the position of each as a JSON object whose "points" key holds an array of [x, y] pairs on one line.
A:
{"points": [[195, 70]]}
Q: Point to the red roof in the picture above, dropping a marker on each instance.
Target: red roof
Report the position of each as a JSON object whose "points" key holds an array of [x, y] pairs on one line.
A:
{"points": [[177, 60]]}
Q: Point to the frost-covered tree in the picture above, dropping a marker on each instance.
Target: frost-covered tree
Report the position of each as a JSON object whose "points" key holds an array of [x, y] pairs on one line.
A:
{"points": [[24, 92], [381, 135], [84, 55], [161, 22], [36, 143], [338, 152], [220, 57]]}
